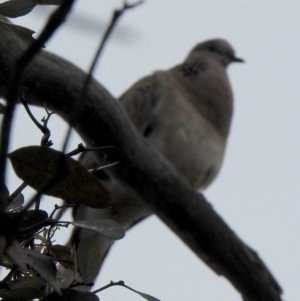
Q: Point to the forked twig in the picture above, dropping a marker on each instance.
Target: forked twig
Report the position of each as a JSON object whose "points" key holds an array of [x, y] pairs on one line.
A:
{"points": [[43, 127]]}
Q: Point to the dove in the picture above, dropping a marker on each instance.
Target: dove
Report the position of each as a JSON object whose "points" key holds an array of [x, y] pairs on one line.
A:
{"points": [[184, 112]]}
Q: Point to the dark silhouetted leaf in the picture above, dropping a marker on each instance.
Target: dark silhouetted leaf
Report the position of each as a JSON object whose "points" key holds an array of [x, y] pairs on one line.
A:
{"points": [[6, 261], [71, 295], [32, 221], [63, 255], [43, 264], [21, 32], [16, 8], [89, 259], [25, 288], [9, 222], [40, 166], [147, 297], [105, 227]]}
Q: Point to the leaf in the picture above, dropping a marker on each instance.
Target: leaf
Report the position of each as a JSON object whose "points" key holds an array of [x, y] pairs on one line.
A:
{"points": [[9, 222], [16, 8], [25, 288], [69, 294], [89, 259], [105, 227], [26, 293], [32, 221], [6, 261], [21, 32], [42, 264], [63, 255], [40, 166], [147, 297]]}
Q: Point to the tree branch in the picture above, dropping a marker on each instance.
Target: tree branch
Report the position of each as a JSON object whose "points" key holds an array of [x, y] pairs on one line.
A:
{"points": [[57, 82]]}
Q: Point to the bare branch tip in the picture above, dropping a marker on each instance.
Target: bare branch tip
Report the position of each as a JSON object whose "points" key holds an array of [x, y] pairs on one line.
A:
{"points": [[127, 6]]}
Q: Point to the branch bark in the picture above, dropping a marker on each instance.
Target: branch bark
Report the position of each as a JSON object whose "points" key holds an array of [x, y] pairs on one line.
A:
{"points": [[101, 121]]}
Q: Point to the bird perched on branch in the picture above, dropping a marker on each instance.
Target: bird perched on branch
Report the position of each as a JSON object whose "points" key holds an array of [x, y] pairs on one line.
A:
{"points": [[185, 112]]}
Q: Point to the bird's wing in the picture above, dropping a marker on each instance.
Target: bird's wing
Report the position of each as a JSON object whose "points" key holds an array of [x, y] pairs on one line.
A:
{"points": [[141, 100]]}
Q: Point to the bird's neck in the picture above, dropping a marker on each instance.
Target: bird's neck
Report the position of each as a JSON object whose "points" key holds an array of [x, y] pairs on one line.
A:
{"points": [[207, 87]]}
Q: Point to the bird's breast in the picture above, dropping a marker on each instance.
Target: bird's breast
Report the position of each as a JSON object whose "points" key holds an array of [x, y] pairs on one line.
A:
{"points": [[187, 140]]}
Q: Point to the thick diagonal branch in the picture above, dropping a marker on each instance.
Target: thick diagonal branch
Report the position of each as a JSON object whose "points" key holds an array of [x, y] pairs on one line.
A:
{"points": [[101, 121]]}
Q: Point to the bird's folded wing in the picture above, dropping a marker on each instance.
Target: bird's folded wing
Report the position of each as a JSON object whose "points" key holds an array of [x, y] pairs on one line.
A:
{"points": [[141, 100]]}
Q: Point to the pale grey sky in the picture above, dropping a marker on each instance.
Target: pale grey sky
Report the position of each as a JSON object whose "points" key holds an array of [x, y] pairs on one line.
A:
{"points": [[258, 188]]}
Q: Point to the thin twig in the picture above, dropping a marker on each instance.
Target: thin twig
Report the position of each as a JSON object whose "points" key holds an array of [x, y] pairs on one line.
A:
{"points": [[25, 104], [62, 210], [116, 15], [81, 148], [120, 283], [103, 167], [47, 133], [42, 127], [37, 203], [17, 191], [56, 207], [67, 138]]}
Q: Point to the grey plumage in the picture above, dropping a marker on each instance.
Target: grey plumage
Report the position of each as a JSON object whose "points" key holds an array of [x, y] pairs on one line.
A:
{"points": [[185, 112]]}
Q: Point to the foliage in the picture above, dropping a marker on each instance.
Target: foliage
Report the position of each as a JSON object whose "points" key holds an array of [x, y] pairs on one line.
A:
{"points": [[36, 267], [38, 167], [32, 259]]}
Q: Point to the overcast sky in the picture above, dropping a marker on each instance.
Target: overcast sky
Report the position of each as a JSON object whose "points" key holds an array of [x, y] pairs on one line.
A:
{"points": [[257, 191]]}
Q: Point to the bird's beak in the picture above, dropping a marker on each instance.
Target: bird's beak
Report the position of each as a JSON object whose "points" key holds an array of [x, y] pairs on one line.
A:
{"points": [[237, 59]]}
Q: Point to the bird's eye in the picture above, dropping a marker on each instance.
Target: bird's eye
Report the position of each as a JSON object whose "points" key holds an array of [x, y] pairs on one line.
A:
{"points": [[211, 48]]}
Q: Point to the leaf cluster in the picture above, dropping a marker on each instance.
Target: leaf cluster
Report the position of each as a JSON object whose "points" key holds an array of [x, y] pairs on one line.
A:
{"points": [[37, 268]]}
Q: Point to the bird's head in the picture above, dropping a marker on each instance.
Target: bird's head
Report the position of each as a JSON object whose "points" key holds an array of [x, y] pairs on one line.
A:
{"points": [[220, 49]]}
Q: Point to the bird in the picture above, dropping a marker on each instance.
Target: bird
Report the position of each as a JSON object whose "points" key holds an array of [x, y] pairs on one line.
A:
{"points": [[185, 112]]}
